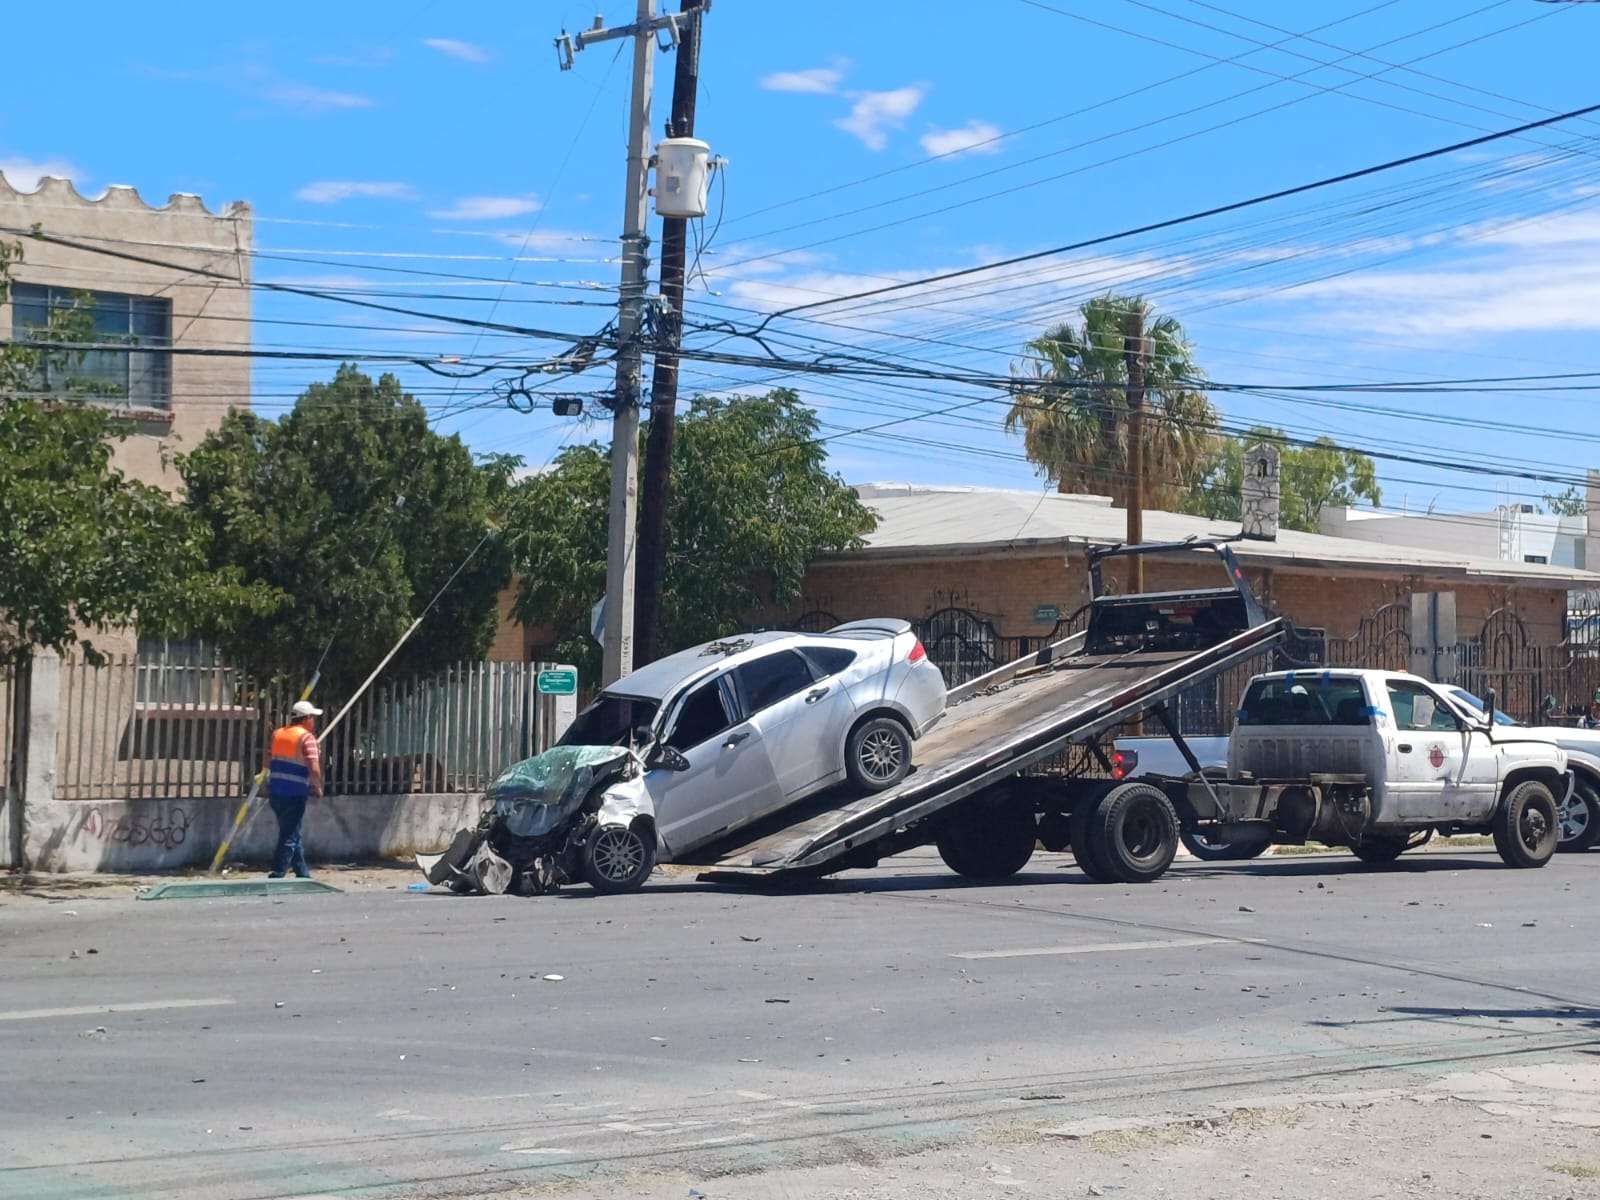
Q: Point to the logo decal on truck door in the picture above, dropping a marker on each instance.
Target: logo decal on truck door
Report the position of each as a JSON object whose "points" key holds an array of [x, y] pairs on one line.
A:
{"points": [[1436, 756]]}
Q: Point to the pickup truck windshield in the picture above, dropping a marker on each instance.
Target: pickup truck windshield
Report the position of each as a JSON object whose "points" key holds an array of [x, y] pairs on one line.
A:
{"points": [[608, 721], [1304, 700]]}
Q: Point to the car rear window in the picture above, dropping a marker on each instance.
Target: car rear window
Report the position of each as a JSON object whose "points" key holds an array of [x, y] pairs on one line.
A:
{"points": [[828, 660], [1305, 700]]}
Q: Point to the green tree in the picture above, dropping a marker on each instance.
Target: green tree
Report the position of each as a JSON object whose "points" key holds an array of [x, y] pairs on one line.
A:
{"points": [[752, 504], [1568, 503], [85, 549], [359, 512], [1069, 402], [1310, 478]]}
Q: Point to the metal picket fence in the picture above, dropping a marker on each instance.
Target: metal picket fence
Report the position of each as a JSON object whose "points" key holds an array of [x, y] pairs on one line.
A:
{"points": [[139, 729]]}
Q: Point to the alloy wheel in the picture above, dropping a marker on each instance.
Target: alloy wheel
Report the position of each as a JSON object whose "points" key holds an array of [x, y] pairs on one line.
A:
{"points": [[617, 853], [880, 755], [1574, 817]]}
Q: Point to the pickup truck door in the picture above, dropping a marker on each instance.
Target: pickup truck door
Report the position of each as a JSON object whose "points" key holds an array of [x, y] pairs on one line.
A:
{"points": [[1437, 772], [729, 780]]}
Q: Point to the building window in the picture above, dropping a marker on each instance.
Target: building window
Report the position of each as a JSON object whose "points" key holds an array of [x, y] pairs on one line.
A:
{"points": [[1536, 558], [140, 376]]}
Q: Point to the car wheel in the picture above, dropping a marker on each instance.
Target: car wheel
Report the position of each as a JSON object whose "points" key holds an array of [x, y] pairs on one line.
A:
{"points": [[877, 754], [1380, 851], [1085, 848], [1135, 829], [1209, 847], [1580, 818], [989, 838], [617, 858], [1526, 826]]}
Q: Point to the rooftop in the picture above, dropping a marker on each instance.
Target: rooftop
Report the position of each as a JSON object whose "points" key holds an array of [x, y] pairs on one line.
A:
{"points": [[933, 520]]}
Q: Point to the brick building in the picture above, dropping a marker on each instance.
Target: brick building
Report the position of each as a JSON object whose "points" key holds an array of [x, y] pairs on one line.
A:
{"points": [[1015, 559]]}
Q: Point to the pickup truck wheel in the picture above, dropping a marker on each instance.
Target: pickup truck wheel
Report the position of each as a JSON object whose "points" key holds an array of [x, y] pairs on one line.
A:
{"points": [[877, 755], [1380, 851], [616, 859], [1086, 851], [1136, 831], [1526, 825], [988, 840], [1208, 847], [1580, 818]]}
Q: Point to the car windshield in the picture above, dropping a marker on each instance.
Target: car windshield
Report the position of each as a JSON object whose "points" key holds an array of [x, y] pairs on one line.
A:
{"points": [[1479, 707], [609, 721]]}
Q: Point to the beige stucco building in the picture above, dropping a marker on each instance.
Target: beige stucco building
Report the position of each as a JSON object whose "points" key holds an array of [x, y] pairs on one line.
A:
{"points": [[193, 293]]}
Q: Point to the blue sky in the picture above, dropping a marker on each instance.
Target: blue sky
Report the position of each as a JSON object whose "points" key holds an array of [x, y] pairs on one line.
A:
{"points": [[865, 145]]}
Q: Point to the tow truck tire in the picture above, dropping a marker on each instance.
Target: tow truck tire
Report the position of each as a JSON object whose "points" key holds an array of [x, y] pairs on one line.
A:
{"points": [[1580, 818], [1135, 832], [617, 859], [1526, 825], [877, 754], [1209, 850], [989, 841], [1085, 851]]}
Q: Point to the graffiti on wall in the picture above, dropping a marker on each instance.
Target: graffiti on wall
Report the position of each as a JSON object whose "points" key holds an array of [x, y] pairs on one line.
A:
{"points": [[166, 829]]}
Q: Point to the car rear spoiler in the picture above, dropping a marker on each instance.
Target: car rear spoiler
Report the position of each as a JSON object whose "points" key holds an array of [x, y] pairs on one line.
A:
{"points": [[873, 626]]}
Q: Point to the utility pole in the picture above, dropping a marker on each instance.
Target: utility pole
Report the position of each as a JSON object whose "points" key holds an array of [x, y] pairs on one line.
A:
{"points": [[618, 629], [657, 486], [1133, 351]]}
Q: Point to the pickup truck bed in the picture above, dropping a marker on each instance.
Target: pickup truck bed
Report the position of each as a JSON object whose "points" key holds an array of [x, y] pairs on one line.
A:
{"points": [[996, 727]]}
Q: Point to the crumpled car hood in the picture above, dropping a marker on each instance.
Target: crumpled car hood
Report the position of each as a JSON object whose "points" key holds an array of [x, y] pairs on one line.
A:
{"points": [[533, 797]]}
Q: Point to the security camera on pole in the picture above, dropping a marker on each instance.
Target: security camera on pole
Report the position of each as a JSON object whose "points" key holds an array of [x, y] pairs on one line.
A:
{"points": [[617, 643]]}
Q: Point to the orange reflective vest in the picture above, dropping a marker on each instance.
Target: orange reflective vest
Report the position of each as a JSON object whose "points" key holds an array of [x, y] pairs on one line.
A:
{"points": [[294, 749]]}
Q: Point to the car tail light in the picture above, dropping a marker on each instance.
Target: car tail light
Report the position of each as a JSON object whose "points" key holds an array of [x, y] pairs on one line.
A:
{"points": [[1124, 763], [917, 652]]}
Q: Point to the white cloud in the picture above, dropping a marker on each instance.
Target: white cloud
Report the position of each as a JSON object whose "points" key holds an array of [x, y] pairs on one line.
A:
{"points": [[487, 208], [875, 113], [815, 81], [24, 174], [332, 191], [309, 98], [451, 48], [978, 137]]}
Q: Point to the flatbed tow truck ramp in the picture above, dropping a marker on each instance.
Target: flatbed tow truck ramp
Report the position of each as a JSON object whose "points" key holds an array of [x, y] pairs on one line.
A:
{"points": [[1136, 653]]}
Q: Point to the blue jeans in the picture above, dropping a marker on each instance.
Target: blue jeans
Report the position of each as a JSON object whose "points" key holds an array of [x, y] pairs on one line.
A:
{"points": [[291, 852]]}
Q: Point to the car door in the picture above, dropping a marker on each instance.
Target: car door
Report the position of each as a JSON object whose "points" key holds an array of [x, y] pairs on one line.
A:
{"points": [[794, 711], [1426, 780], [729, 779]]}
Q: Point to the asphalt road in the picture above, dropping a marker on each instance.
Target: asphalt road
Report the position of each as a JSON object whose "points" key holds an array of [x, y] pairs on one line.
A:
{"points": [[381, 1043]]}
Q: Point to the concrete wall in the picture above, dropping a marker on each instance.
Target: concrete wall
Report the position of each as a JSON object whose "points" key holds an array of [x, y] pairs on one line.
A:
{"points": [[205, 311]]}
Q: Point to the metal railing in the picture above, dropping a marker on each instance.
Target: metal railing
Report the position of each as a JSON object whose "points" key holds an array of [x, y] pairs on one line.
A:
{"points": [[189, 731]]}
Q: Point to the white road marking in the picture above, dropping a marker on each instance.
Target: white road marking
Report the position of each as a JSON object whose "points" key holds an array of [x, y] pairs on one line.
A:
{"points": [[1096, 948], [753, 1095], [95, 1010]]}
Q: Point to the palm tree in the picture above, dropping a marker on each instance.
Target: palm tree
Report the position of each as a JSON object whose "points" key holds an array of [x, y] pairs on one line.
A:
{"points": [[1070, 404]]}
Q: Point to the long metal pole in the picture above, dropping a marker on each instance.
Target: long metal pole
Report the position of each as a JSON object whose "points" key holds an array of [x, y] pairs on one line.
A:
{"points": [[657, 486], [1133, 351], [618, 660]]}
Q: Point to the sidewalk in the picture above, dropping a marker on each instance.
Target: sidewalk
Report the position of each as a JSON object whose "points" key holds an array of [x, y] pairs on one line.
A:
{"points": [[350, 877]]}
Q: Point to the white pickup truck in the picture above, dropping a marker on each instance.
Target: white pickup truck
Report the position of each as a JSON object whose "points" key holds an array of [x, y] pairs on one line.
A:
{"points": [[1373, 760]]}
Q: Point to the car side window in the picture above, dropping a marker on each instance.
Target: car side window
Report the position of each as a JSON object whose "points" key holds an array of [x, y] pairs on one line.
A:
{"points": [[828, 660], [774, 677], [1416, 708], [703, 716]]}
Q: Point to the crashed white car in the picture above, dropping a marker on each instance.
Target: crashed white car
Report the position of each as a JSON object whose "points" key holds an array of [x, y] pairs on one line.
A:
{"points": [[701, 743]]}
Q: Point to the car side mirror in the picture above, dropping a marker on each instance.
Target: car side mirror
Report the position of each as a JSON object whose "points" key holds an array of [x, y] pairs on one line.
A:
{"points": [[668, 757], [1488, 700]]}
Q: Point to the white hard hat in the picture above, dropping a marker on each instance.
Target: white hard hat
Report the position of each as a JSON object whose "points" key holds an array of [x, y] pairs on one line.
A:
{"points": [[304, 708]]}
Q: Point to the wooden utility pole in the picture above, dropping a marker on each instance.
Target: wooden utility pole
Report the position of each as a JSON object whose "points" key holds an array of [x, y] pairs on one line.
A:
{"points": [[656, 486], [1133, 351]]}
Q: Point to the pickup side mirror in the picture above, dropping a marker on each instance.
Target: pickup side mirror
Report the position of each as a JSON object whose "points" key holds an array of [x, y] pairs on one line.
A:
{"points": [[667, 757], [1488, 700]]}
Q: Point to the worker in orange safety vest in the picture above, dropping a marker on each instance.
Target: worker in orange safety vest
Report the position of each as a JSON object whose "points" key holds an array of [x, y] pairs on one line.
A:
{"points": [[294, 774]]}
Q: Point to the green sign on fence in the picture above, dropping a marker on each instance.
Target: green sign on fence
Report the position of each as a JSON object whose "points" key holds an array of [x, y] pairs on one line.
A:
{"points": [[1046, 612], [558, 683]]}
